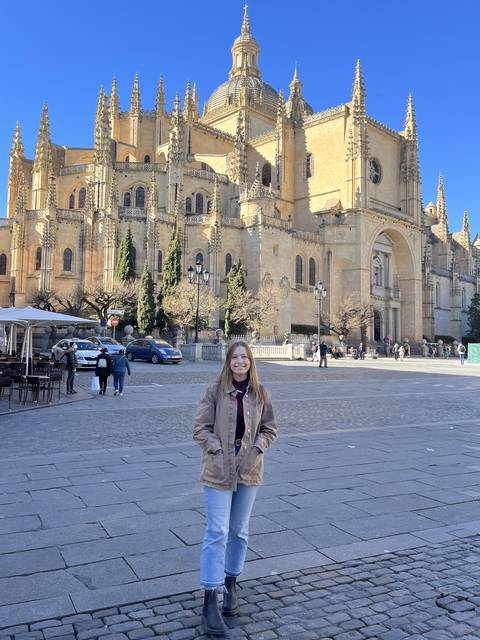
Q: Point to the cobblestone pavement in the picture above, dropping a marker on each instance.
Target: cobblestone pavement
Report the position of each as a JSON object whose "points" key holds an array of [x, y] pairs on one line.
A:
{"points": [[369, 513], [430, 593]]}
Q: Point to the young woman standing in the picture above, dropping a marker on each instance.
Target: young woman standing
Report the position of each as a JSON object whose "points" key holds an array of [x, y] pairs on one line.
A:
{"points": [[234, 425]]}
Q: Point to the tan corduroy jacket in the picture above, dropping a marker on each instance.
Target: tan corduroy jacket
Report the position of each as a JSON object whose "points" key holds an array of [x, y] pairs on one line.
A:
{"points": [[214, 431]]}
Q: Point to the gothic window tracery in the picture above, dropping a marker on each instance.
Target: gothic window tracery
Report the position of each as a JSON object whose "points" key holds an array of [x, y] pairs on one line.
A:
{"points": [[309, 166], [127, 199], [199, 203], [82, 194], [67, 260], [140, 197], [377, 271], [38, 259], [71, 201], [3, 264], [188, 205], [199, 258], [298, 270], [159, 261], [266, 174], [146, 159], [312, 275], [375, 171]]}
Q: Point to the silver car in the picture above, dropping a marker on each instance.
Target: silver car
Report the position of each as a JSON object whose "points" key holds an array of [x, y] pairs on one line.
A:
{"points": [[113, 346], [87, 352]]}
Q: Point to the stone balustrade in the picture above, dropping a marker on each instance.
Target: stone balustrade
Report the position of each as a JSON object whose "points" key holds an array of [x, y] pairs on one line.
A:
{"points": [[75, 169], [140, 166]]}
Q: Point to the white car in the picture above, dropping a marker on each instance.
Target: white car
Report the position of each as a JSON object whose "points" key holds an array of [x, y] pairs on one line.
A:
{"points": [[113, 346], [86, 352]]}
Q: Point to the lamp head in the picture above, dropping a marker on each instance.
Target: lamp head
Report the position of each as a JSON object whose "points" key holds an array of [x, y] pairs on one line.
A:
{"points": [[198, 267], [206, 275], [190, 272]]}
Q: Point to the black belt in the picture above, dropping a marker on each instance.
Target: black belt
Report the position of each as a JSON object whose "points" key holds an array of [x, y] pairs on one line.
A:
{"points": [[238, 442]]}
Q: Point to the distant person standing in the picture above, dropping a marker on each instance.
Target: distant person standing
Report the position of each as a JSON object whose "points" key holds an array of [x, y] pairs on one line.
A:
{"points": [[72, 364], [401, 352], [395, 350], [315, 352], [103, 369], [461, 350], [323, 354], [119, 369], [361, 352]]}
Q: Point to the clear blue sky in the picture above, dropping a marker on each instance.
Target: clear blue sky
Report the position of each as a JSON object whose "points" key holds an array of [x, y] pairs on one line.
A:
{"points": [[62, 53]]}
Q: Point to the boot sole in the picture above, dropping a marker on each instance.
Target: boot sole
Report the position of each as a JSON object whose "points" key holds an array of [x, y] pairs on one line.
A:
{"points": [[229, 613], [215, 632]]}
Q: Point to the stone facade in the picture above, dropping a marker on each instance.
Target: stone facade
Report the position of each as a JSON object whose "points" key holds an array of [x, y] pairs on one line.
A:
{"points": [[299, 196]]}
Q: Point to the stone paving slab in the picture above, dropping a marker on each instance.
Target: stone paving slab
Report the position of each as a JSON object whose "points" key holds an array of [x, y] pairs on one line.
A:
{"points": [[430, 593]]}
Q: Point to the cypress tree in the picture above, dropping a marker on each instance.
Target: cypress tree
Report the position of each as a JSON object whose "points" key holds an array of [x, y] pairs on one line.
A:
{"points": [[474, 319], [161, 320], [236, 283], [125, 267], [146, 302], [172, 268]]}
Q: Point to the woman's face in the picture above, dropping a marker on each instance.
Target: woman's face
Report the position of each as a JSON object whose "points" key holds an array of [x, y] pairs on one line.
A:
{"points": [[240, 363]]}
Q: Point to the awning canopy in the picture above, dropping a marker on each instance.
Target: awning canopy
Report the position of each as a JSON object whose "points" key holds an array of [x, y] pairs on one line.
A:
{"points": [[39, 318]]}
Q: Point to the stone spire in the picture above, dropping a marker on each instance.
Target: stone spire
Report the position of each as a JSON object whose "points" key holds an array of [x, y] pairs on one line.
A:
{"points": [[245, 51], [43, 149], [410, 131], [187, 103], [102, 154], [176, 113], [21, 196], [358, 95], [114, 109], [238, 164], [441, 228], [52, 193], [281, 111], [464, 238], [17, 150], [195, 102], [135, 104], [160, 100], [296, 106], [176, 151]]}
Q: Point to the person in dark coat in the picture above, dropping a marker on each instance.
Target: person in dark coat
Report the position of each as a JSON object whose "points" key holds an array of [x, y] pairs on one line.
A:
{"points": [[103, 369], [72, 364]]}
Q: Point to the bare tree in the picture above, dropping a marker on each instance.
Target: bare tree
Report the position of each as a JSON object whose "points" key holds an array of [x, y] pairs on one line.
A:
{"points": [[100, 299], [256, 311], [350, 315], [44, 300], [72, 303], [181, 305]]}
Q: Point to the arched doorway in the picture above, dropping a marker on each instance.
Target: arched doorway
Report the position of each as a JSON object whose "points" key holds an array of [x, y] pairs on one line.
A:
{"points": [[377, 325]]}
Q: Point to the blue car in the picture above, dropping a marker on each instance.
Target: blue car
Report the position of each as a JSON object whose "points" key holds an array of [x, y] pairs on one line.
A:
{"points": [[153, 350]]}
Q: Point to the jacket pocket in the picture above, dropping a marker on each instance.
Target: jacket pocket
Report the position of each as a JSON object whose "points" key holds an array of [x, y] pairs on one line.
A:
{"points": [[214, 467], [251, 468]]}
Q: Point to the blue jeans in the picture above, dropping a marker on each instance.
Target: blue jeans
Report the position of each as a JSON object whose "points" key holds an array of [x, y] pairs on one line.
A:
{"points": [[118, 379], [226, 533]]}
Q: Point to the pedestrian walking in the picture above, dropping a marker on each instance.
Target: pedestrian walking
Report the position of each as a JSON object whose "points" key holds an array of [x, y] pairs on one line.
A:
{"points": [[395, 350], [401, 352], [103, 369], [315, 352], [461, 350], [361, 353], [72, 364], [234, 426], [323, 354], [119, 368]]}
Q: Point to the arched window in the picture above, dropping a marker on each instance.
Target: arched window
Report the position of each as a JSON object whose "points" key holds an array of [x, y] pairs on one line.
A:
{"points": [[309, 166], [377, 272], [134, 259], [199, 258], [312, 275], [127, 199], [159, 261], [38, 259], [71, 201], [266, 174], [67, 260], [140, 197], [127, 158], [228, 263], [82, 194], [3, 264], [146, 159], [199, 203], [188, 205], [437, 294], [298, 270], [464, 299]]}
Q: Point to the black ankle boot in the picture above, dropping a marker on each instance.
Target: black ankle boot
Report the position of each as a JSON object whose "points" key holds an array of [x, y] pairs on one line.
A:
{"points": [[212, 620], [230, 597]]}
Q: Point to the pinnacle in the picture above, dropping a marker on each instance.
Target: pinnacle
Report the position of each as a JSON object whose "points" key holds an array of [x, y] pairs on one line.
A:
{"points": [[135, 105], [410, 121], [358, 93], [17, 145], [160, 100]]}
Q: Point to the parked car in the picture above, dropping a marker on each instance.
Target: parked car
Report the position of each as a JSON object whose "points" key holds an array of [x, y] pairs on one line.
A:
{"points": [[112, 345], [87, 352], [154, 350]]}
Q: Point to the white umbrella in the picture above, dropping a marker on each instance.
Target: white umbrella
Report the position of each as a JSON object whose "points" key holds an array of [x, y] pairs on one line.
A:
{"points": [[29, 317]]}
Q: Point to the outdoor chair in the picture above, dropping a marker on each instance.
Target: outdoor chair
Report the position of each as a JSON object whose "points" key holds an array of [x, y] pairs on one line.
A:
{"points": [[56, 379], [18, 384], [35, 386], [6, 383]]}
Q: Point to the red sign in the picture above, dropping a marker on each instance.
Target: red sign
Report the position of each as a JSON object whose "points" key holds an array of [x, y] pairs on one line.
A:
{"points": [[114, 322]]}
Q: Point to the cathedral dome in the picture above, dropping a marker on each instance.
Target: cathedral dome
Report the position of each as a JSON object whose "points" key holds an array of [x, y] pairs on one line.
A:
{"points": [[257, 92]]}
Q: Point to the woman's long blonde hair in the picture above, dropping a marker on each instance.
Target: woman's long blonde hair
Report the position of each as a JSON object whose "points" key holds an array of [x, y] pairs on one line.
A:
{"points": [[225, 380]]}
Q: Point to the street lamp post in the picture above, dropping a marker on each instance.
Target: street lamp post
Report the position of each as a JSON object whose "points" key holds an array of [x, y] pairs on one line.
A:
{"points": [[198, 276], [320, 292]]}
